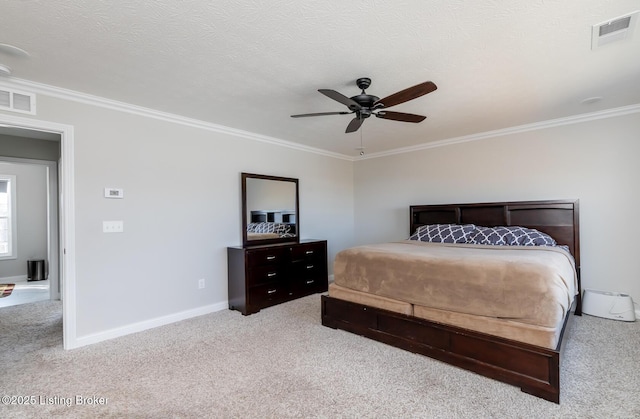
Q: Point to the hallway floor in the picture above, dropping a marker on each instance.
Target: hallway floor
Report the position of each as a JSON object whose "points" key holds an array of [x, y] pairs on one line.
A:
{"points": [[27, 292]]}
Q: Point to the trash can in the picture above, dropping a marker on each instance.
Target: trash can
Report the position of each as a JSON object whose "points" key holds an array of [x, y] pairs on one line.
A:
{"points": [[35, 270]]}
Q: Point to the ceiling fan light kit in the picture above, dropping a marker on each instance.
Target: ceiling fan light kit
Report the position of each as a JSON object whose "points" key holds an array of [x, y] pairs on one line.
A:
{"points": [[365, 105]]}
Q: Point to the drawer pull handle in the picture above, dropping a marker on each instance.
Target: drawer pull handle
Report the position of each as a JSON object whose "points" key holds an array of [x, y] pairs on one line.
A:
{"points": [[309, 252], [271, 257], [271, 274], [309, 266], [311, 281], [271, 291]]}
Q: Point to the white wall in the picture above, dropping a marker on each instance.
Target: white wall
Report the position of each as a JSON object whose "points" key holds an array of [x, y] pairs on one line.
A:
{"points": [[181, 209], [596, 162], [31, 206]]}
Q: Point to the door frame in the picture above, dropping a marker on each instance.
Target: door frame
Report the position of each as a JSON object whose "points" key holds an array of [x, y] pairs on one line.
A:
{"points": [[66, 216]]}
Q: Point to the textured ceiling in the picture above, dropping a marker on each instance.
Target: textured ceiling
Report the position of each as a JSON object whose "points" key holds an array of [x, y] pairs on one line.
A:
{"points": [[249, 65]]}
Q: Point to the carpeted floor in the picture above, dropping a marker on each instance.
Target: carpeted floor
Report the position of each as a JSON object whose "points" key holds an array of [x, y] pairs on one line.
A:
{"points": [[282, 363]]}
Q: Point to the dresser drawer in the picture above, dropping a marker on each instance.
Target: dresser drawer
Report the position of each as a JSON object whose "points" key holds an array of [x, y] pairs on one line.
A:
{"points": [[268, 294], [308, 252], [307, 269], [307, 286], [265, 273], [271, 256]]}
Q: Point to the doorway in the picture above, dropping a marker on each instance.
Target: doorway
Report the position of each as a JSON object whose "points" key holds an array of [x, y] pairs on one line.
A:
{"points": [[30, 235], [65, 261]]}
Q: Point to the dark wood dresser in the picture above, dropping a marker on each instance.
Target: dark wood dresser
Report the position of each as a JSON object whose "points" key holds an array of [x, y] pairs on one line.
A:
{"points": [[262, 276]]}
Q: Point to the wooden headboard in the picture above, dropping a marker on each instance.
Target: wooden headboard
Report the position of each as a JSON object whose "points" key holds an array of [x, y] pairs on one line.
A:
{"points": [[559, 219]]}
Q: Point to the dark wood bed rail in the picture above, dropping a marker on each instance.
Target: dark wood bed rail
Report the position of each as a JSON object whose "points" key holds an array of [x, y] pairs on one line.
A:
{"points": [[536, 370]]}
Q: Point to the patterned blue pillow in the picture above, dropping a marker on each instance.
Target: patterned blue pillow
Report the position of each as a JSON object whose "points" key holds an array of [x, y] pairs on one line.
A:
{"points": [[510, 236], [443, 233]]}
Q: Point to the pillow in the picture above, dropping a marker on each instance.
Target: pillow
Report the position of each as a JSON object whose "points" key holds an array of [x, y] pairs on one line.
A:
{"points": [[277, 228], [510, 236], [443, 233]]}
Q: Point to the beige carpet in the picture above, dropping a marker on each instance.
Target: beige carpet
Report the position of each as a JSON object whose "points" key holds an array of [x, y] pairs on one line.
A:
{"points": [[283, 363]]}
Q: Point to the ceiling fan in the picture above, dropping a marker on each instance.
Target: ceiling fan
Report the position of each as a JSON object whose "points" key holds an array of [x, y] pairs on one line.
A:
{"points": [[364, 105]]}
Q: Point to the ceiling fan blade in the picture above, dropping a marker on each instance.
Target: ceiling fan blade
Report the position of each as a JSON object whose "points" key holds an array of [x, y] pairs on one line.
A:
{"points": [[350, 103], [320, 114], [406, 95], [354, 125], [401, 116]]}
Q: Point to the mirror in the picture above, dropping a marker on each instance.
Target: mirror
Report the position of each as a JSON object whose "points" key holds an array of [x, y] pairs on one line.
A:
{"points": [[270, 210]]}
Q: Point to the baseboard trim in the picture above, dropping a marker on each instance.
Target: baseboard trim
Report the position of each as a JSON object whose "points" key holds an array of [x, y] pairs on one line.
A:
{"points": [[146, 325]]}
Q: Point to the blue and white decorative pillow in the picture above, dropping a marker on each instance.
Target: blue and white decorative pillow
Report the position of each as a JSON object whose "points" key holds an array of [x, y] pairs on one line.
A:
{"points": [[443, 233], [510, 236]]}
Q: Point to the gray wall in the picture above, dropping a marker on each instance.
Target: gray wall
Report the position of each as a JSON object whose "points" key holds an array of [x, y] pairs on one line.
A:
{"points": [[31, 205], [181, 209], [596, 162], [29, 148]]}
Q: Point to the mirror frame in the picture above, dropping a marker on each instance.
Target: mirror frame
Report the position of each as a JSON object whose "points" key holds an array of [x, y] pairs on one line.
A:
{"points": [[250, 243]]}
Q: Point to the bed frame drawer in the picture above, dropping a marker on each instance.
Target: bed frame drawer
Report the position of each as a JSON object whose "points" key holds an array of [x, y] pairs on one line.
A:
{"points": [[534, 369]]}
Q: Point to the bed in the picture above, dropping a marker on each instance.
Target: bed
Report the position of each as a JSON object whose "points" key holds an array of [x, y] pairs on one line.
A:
{"points": [[500, 311]]}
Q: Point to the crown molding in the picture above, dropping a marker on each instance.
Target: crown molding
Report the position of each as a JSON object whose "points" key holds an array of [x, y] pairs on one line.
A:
{"points": [[576, 119], [88, 99]]}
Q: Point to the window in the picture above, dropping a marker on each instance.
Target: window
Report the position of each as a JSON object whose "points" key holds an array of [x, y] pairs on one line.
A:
{"points": [[7, 217]]}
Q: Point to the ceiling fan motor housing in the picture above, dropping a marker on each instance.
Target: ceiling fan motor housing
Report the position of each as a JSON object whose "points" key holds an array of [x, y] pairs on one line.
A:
{"points": [[364, 100], [364, 105], [363, 83]]}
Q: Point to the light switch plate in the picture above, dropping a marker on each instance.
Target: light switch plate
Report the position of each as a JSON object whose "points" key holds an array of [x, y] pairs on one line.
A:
{"points": [[112, 227]]}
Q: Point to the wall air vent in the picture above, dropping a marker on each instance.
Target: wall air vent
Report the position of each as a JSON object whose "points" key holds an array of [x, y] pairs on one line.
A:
{"points": [[613, 30], [11, 100]]}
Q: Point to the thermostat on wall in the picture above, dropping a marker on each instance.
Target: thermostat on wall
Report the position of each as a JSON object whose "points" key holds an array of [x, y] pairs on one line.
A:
{"points": [[113, 193]]}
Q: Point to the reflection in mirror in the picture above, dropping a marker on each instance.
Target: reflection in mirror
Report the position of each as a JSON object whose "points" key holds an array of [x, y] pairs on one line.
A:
{"points": [[270, 209]]}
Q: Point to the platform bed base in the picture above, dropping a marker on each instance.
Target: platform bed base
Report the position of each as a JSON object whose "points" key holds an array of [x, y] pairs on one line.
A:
{"points": [[536, 370]]}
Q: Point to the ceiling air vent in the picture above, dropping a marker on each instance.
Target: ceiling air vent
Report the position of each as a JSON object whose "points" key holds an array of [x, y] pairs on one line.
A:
{"points": [[617, 29], [11, 100]]}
